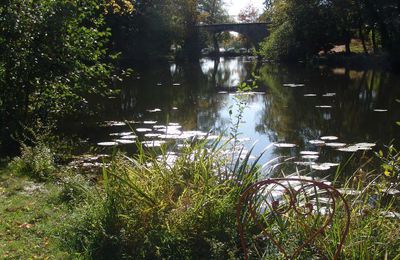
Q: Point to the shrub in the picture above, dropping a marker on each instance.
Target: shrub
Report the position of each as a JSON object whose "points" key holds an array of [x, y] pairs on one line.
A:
{"points": [[36, 162]]}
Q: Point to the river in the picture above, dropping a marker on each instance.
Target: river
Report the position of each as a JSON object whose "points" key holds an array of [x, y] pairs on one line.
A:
{"points": [[293, 107]]}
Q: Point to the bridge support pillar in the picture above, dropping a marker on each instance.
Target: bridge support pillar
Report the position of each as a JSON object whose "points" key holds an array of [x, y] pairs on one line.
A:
{"points": [[215, 43]]}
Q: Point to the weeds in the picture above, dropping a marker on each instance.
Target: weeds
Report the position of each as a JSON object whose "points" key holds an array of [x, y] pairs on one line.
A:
{"points": [[36, 162]]}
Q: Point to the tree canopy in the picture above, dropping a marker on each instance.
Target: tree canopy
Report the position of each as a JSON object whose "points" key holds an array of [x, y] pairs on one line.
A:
{"points": [[301, 29]]}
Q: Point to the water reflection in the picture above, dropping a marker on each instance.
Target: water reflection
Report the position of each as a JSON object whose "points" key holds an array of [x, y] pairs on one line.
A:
{"points": [[317, 102]]}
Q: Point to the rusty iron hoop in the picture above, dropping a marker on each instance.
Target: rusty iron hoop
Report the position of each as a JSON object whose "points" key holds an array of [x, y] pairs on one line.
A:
{"points": [[247, 197]]}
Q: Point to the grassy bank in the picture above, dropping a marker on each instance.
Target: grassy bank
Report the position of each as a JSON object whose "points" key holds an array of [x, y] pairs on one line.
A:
{"points": [[179, 207], [30, 214]]}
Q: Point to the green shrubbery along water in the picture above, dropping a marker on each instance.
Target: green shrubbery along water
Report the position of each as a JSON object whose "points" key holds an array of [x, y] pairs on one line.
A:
{"points": [[148, 208]]}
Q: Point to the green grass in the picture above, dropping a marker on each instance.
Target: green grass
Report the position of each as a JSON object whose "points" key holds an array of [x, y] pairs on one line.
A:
{"points": [[29, 212]]}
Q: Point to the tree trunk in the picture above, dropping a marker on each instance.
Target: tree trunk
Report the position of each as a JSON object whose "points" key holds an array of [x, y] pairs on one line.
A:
{"points": [[215, 42], [347, 44], [360, 31], [374, 46]]}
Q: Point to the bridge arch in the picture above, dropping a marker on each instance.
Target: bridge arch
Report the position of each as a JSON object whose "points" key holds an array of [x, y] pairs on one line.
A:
{"points": [[255, 32]]}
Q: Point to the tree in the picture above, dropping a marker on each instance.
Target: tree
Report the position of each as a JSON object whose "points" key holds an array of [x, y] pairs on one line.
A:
{"points": [[300, 29], [52, 58], [249, 14], [212, 11]]}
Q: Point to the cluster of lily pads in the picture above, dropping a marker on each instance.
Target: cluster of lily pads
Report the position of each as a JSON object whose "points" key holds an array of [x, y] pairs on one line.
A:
{"points": [[326, 141], [329, 94], [151, 134]]}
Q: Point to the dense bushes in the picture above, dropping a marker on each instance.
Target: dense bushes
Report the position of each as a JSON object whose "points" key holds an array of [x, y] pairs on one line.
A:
{"points": [[301, 29], [36, 162], [52, 58]]}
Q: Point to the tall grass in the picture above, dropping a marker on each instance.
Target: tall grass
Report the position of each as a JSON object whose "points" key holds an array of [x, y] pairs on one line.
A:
{"points": [[150, 209]]}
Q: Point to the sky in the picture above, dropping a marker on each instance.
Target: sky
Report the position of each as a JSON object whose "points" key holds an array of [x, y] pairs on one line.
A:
{"points": [[234, 6]]}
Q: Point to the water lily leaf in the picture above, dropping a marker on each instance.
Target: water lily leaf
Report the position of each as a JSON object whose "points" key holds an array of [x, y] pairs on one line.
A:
{"points": [[329, 138], [324, 106], [291, 85], [317, 142], [335, 144], [152, 135], [284, 145], [107, 143], [309, 153], [129, 137], [142, 130], [150, 122], [125, 141], [154, 110], [151, 144], [310, 157]]}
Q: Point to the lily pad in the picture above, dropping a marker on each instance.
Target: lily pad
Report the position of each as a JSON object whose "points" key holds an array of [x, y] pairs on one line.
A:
{"points": [[121, 134], [329, 138], [323, 166], [309, 153], [114, 123], [370, 145], [324, 106], [143, 130], [284, 145], [310, 95], [154, 110], [107, 143], [335, 144], [310, 157], [381, 110], [291, 85], [349, 149], [150, 122], [305, 163], [151, 144], [129, 137], [152, 135], [125, 141], [317, 142]]}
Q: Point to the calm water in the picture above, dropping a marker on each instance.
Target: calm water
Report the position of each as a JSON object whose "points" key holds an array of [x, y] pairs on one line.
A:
{"points": [[354, 106]]}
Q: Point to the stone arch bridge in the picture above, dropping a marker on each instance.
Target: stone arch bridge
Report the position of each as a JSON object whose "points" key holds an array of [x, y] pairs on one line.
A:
{"points": [[254, 32]]}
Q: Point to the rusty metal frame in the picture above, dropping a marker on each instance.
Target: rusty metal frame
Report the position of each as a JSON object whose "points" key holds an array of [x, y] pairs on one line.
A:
{"points": [[248, 197]]}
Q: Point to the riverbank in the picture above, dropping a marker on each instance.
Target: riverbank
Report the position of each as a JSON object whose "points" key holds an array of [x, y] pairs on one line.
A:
{"points": [[355, 61], [178, 205]]}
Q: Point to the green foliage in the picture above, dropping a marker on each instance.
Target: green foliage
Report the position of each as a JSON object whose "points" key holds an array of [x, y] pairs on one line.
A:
{"points": [[280, 44], [51, 57], [149, 208], [152, 209], [301, 29], [390, 163], [36, 162]]}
